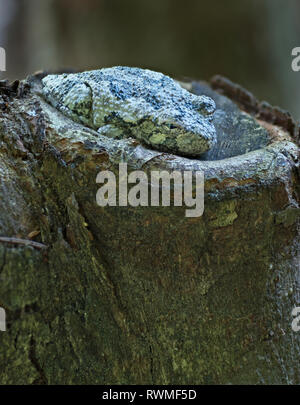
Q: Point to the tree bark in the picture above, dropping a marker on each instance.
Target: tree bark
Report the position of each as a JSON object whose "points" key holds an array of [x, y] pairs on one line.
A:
{"points": [[145, 295]]}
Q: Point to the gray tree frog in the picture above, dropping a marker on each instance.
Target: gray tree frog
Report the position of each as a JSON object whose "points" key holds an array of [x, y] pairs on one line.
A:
{"points": [[132, 102]]}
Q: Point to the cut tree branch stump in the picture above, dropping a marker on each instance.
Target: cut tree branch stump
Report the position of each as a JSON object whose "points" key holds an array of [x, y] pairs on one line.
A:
{"points": [[145, 295]]}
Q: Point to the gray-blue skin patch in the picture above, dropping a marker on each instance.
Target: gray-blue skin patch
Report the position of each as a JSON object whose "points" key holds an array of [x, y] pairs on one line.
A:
{"points": [[132, 102]]}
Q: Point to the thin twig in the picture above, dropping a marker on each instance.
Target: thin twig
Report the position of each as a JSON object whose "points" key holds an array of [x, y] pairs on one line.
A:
{"points": [[25, 242]]}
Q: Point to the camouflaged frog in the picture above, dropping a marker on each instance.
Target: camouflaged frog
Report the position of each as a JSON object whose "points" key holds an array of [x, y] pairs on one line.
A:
{"points": [[122, 102]]}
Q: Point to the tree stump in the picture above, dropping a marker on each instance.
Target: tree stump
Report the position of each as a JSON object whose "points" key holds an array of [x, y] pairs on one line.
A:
{"points": [[146, 295]]}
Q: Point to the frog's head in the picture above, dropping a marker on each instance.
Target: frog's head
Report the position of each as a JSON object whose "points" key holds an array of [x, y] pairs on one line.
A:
{"points": [[183, 126]]}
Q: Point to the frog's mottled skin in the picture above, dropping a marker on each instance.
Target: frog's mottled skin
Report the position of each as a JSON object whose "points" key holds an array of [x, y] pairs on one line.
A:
{"points": [[131, 102]]}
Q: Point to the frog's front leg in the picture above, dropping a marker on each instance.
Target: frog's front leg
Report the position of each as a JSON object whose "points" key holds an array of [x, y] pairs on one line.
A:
{"points": [[111, 131]]}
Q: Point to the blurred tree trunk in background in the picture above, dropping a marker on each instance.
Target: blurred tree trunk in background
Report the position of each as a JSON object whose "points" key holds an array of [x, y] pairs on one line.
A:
{"points": [[248, 41]]}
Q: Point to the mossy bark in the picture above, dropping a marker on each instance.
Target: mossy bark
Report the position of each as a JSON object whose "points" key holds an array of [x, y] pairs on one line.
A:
{"points": [[145, 295]]}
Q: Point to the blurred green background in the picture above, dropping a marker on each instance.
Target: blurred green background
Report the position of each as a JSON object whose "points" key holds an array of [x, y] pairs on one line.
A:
{"points": [[249, 41]]}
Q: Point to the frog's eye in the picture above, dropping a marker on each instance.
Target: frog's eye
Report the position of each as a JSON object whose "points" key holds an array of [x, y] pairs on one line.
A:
{"points": [[79, 100], [205, 105]]}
